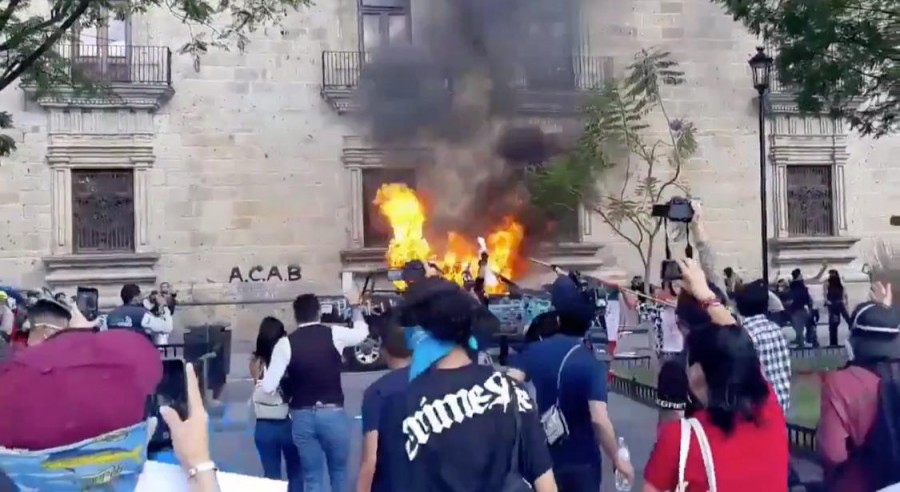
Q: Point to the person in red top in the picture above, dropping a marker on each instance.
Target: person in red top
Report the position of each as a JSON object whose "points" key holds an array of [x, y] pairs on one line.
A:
{"points": [[739, 412], [851, 396]]}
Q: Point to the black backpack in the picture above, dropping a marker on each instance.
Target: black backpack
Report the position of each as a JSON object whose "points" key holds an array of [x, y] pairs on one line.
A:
{"points": [[879, 455]]}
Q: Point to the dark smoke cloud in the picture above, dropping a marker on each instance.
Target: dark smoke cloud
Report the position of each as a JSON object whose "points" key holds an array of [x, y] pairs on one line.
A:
{"points": [[455, 91]]}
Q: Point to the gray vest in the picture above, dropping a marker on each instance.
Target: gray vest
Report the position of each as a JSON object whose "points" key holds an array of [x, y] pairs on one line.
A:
{"points": [[127, 317]]}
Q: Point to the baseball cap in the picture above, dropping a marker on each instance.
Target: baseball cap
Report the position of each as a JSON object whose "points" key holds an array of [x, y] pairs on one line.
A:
{"points": [[75, 386], [872, 317], [568, 299]]}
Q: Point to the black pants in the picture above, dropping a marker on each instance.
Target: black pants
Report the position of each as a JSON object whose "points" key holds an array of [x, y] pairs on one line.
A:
{"points": [[836, 311], [578, 478]]}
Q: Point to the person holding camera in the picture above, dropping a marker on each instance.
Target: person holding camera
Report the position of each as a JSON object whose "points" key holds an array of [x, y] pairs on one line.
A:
{"points": [[152, 319]]}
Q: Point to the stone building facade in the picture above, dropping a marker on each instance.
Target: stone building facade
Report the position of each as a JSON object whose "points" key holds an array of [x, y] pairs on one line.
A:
{"points": [[241, 179]]}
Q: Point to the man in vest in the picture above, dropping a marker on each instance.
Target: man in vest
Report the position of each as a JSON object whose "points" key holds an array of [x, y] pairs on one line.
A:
{"points": [[132, 315], [311, 358]]}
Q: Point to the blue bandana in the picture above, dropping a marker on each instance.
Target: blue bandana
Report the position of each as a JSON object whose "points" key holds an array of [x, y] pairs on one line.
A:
{"points": [[110, 462], [426, 349]]}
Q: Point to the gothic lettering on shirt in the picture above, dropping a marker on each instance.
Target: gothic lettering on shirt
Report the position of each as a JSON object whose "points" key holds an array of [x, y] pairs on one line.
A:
{"points": [[258, 273], [441, 414]]}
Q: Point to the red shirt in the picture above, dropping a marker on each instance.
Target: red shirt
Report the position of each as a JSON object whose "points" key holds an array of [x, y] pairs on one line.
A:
{"points": [[753, 458]]}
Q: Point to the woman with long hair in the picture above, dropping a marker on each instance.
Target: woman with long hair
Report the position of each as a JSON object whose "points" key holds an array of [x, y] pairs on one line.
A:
{"points": [[836, 302], [738, 414], [272, 434]]}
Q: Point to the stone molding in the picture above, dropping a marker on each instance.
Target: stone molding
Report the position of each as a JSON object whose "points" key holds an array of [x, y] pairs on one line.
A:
{"points": [[86, 152], [117, 95], [114, 269], [813, 250]]}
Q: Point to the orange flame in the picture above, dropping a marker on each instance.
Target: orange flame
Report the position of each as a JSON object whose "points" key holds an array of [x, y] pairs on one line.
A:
{"points": [[406, 215]]}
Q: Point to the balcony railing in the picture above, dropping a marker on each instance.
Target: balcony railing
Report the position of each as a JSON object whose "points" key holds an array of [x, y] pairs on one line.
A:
{"points": [[120, 64], [341, 70]]}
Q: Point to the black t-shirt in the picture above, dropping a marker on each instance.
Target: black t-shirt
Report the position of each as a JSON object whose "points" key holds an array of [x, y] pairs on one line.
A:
{"points": [[454, 431]]}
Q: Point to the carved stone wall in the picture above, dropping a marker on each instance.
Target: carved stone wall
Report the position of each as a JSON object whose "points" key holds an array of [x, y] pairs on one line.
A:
{"points": [[796, 140]]}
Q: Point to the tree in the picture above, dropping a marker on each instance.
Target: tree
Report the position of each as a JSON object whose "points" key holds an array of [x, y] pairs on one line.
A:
{"points": [[617, 133], [839, 57], [28, 34]]}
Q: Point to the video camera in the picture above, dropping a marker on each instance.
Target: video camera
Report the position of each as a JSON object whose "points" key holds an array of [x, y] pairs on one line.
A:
{"points": [[677, 209]]}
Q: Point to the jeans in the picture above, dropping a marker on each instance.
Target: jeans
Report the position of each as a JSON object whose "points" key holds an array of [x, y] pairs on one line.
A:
{"points": [[274, 442], [836, 311], [800, 322], [322, 437], [578, 478]]}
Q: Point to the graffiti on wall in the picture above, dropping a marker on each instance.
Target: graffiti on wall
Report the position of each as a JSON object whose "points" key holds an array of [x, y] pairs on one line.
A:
{"points": [[259, 273]]}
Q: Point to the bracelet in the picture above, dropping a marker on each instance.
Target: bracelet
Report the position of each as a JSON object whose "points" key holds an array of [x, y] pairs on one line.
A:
{"points": [[202, 468]]}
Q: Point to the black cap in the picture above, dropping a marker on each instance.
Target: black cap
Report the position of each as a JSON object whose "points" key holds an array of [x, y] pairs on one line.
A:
{"points": [[872, 317], [413, 271]]}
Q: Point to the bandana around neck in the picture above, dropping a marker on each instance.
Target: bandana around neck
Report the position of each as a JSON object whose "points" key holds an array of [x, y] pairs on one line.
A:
{"points": [[426, 349]]}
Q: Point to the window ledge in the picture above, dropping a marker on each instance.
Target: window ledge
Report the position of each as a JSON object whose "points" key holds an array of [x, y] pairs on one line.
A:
{"points": [[100, 269], [794, 250], [363, 259]]}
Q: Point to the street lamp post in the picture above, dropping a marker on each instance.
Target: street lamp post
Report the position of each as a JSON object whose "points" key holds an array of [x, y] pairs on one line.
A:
{"points": [[761, 66]]}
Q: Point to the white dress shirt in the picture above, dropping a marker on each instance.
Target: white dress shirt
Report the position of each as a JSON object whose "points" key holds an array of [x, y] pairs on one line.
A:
{"points": [[341, 336]]}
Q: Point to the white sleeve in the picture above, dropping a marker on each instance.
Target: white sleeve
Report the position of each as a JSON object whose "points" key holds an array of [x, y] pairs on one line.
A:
{"points": [[344, 337], [281, 356], [158, 324]]}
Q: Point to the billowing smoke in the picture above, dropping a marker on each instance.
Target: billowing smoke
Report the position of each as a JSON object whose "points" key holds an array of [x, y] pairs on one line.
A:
{"points": [[455, 90]]}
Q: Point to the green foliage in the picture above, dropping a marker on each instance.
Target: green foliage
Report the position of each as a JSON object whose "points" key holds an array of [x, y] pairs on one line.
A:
{"points": [[31, 36], [618, 132], [839, 56]]}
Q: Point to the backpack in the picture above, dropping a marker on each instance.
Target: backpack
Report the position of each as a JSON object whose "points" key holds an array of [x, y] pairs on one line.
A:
{"points": [[879, 454]]}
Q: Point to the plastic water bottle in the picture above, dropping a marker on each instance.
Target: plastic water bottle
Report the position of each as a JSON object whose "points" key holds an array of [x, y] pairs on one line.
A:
{"points": [[622, 482]]}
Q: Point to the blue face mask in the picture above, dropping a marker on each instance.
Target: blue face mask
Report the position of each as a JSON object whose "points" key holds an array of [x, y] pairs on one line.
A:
{"points": [[111, 462], [426, 349]]}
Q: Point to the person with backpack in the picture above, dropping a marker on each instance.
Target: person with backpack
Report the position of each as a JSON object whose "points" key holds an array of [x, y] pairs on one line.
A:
{"points": [[859, 425]]}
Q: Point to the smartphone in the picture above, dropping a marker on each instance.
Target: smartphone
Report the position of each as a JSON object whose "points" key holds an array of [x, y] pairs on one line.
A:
{"points": [[670, 270], [88, 301], [171, 392]]}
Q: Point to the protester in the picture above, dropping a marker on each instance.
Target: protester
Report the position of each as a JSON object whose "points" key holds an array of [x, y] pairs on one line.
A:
{"points": [[7, 318], [74, 407], [860, 404], [372, 474], [740, 415], [768, 339], [272, 433], [133, 315], [672, 392], [311, 357], [800, 310], [569, 378], [836, 302], [168, 296], [491, 438]]}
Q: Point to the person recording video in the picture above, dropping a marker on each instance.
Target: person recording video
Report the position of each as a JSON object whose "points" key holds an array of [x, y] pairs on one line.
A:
{"points": [[149, 317]]}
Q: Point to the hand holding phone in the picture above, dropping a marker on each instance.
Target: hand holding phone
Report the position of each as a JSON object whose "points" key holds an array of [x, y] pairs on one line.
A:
{"points": [[190, 432]]}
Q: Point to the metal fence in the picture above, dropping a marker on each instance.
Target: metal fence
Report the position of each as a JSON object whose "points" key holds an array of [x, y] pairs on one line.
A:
{"points": [[342, 69], [110, 63]]}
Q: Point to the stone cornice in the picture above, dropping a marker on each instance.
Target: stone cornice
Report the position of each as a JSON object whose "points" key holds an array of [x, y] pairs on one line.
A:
{"points": [[101, 154], [810, 149], [100, 269], [813, 250], [359, 153], [116, 95]]}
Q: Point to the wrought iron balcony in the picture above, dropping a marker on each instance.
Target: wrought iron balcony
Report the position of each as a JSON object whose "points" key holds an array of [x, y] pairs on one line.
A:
{"points": [[118, 64], [541, 83]]}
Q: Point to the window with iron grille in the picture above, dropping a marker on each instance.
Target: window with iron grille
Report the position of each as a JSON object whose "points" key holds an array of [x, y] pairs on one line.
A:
{"points": [[376, 230], [102, 210], [810, 201]]}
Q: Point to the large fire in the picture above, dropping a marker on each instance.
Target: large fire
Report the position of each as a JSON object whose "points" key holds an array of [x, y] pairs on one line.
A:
{"points": [[406, 216]]}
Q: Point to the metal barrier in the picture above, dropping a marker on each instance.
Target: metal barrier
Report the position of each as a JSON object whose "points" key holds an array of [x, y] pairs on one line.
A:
{"points": [[800, 438]]}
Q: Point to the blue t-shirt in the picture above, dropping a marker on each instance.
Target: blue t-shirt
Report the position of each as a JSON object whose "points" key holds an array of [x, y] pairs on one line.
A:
{"points": [[583, 380], [374, 396], [377, 396]]}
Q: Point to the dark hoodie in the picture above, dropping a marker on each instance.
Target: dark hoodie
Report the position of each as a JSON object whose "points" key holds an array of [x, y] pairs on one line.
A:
{"points": [[799, 295]]}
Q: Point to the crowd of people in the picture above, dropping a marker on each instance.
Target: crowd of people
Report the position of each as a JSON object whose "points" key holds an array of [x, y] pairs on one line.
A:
{"points": [[439, 420]]}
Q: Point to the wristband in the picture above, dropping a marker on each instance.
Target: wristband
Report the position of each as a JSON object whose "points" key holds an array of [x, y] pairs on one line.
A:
{"points": [[710, 302], [202, 468]]}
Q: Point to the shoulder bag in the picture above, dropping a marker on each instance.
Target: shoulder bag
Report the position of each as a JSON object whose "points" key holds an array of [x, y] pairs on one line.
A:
{"points": [[269, 406], [688, 427], [553, 420]]}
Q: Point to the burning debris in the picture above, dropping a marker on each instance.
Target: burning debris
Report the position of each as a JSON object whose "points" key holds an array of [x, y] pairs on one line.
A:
{"points": [[457, 256]]}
